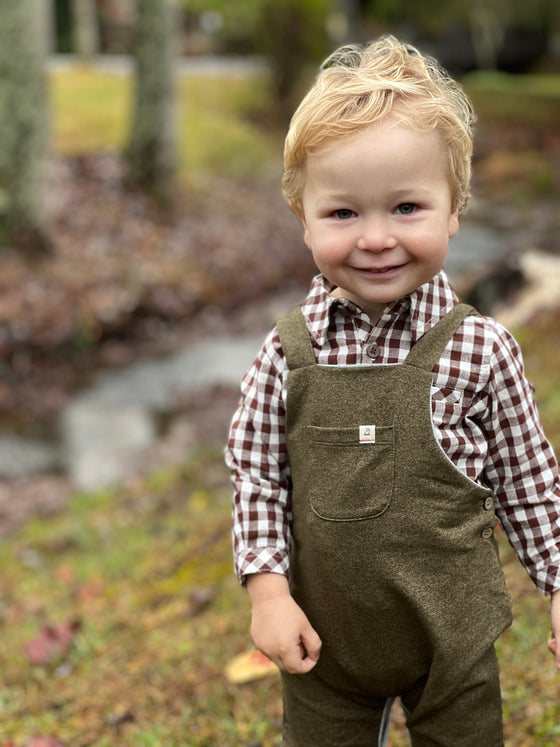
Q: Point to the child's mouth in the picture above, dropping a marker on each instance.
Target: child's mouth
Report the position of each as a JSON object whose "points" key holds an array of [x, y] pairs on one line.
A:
{"points": [[381, 270]]}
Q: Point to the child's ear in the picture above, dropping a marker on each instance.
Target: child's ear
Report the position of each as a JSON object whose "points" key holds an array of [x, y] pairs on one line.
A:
{"points": [[301, 216], [453, 222], [297, 210]]}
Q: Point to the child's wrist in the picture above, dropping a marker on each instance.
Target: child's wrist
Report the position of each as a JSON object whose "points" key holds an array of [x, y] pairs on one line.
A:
{"points": [[263, 587]]}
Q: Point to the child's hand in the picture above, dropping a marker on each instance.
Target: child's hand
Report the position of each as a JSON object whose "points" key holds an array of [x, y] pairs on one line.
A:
{"points": [[553, 644], [279, 627]]}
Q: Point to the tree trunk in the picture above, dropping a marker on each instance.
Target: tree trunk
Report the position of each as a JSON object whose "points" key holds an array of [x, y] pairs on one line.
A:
{"points": [[352, 30], [293, 36], [151, 151], [47, 12], [487, 32], [24, 126], [85, 29]]}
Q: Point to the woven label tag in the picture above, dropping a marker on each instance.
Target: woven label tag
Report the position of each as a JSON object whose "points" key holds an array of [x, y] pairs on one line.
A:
{"points": [[367, 434]]}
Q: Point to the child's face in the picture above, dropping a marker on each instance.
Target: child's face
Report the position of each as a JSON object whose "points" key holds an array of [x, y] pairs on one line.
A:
{"points": [[377, 213]]}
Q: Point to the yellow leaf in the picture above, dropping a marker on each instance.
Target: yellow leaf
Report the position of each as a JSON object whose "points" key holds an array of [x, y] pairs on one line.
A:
{"points": [[249, 666]]}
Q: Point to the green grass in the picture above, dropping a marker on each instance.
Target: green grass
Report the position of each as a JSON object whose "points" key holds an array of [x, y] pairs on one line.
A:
{"points": [[146, 666], [217, 134], [89, 110], [507, 98], [546, 85]]}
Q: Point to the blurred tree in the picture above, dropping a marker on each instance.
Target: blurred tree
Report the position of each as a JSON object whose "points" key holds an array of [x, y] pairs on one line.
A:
{"points": [[63, 26], [23, 125], [293, 34], [85, 29], [350, 28], [469, 34], [152, 150], [221, 26], [290, 34], [47, 19], [508, 34], [115, 21]]}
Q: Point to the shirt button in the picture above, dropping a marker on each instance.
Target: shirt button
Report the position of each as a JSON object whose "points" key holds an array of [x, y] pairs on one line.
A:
{"points": [[487, 532], [488, 503], [372, 350]]}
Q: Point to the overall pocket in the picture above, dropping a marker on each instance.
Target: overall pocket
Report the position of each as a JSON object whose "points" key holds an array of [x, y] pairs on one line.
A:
{"points": [[350, 480]]}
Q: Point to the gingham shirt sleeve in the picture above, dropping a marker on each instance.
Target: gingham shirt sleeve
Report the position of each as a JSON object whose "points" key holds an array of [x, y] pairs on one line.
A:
{"points": [[521, 466], [256, 455]]}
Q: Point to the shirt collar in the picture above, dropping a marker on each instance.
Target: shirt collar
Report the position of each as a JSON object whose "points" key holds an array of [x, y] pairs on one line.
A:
{"points": [[425, 306]]}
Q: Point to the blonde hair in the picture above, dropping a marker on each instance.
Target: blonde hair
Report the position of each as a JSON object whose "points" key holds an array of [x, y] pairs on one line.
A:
{"points": [[359, 85]]}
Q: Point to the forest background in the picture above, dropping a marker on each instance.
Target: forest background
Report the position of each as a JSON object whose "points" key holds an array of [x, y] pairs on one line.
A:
{"points": [[140, 214]]}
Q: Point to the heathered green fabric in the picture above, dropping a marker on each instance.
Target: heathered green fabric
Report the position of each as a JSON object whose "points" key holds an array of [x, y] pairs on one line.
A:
{"points": [[391, 558]]}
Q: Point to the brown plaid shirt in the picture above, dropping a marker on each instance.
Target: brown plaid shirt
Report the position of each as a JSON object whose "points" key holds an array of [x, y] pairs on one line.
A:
{"points": [[483, 413]]}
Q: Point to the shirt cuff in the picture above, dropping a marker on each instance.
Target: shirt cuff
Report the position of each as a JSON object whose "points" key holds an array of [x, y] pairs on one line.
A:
{"points": [[261, 560], [552, 581]]}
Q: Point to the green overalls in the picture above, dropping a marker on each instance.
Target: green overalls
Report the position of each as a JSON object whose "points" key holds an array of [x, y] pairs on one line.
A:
{"points": [[393, 555]]}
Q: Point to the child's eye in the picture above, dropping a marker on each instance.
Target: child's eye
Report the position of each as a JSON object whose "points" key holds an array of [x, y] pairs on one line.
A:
{"points": [[406, 208], [344, 214]]}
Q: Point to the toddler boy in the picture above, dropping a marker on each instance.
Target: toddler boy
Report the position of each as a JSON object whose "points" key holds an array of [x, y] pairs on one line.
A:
{"points": [[384, 427]]}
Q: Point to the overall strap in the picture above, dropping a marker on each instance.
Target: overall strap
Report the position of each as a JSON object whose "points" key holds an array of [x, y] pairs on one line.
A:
{"points": [[296, 340], [426, 352]]}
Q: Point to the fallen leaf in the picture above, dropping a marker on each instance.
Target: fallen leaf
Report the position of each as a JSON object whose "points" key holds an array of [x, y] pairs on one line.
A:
{"points": [[199, 599], [91, 589], [44, 742], [65, 574], [249, 666], [51, 643]]}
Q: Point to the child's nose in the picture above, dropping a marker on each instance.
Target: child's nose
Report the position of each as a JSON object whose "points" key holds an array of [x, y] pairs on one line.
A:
{"points": [[376, 235]]}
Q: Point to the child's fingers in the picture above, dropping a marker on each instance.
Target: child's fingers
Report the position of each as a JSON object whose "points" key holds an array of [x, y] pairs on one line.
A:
{"points": [[296, 663], [309, 650], [311, 644], [303, 657]]}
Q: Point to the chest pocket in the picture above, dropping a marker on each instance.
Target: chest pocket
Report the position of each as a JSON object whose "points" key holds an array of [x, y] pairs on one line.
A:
{"points": [[349, 480]]}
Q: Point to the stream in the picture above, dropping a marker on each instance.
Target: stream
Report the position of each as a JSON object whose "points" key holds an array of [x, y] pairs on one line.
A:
{"points": [[106, 426]]}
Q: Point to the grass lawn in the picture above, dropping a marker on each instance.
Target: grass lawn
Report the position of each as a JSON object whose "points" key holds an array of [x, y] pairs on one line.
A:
{"points": [[216, 121], [510, 99]]}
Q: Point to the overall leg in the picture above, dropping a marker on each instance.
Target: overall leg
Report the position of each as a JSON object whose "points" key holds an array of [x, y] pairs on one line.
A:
{"points": [[470, 716], [316, 715]]}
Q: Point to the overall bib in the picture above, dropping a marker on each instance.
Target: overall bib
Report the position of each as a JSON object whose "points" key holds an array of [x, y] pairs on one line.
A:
{"points": [[393, 555]]}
